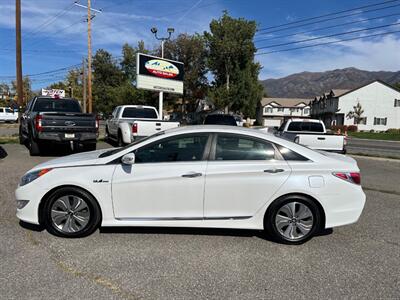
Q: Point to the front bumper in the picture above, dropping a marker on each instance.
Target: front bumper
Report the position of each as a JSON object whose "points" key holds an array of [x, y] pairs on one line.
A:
{"points": [[29, 213]]}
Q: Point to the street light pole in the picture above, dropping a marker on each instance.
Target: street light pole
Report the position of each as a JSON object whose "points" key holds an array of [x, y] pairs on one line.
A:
{"points": [[162, 39]]}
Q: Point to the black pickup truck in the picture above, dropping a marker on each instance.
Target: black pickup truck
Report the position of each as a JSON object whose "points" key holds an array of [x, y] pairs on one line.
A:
{"points": [[57, 120]]}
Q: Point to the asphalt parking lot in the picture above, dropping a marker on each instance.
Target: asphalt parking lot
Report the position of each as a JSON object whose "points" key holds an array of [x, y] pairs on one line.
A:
{"points": [[356, 261]]}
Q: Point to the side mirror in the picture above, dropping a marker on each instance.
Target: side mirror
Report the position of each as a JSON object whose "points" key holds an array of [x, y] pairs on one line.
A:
{"points": [[128, 159]]}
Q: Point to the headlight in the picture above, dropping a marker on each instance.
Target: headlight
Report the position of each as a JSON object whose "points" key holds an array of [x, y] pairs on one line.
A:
{"points": [[31, 176]]}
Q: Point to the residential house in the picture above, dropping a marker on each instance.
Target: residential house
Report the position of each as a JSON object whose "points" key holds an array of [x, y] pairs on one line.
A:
{"points": [[273, 112], [379, 101]]}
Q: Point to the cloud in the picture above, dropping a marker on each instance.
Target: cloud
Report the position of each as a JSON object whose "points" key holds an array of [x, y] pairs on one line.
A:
{"points": [[369, 54]]}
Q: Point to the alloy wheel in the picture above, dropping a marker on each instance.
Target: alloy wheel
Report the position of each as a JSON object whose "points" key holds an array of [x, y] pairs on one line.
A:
{"points": [[70, 214], [294, 220]]}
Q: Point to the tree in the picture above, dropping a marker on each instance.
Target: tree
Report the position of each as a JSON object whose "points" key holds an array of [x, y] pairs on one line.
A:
{"points": [[27, 88], [72, 84], [231, 60], [356, 113], [128, 64], [191, 50], [107, 77]]}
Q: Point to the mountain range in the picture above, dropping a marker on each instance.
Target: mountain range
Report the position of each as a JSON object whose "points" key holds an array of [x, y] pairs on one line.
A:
{"points": [[311, 84]]}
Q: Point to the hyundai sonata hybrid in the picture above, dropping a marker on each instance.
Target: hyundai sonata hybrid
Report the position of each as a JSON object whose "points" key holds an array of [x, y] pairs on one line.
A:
{"points": [[196, 176]]}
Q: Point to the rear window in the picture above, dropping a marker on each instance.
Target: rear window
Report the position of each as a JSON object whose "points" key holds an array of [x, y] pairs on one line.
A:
{"points": [[56, 105], [220, 120], [305, 126], [290, 154], [140, 113]]}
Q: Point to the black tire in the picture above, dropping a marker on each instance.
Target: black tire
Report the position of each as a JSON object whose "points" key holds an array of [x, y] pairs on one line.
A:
{"points": [[90, 146], [107, 135], [92, 207], [34, 147], [120, 142], [271, 215], [21, 137]]}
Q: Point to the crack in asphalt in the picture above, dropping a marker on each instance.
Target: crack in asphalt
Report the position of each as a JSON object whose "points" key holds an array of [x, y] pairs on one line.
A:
{"points": [[96, 279]]}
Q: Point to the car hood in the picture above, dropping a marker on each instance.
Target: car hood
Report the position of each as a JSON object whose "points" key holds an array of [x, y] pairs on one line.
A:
{"points": [[79, 159]]}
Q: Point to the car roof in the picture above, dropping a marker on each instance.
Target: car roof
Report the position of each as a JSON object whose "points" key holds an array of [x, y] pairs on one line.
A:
{"points": [[305, 120], [251, 132]]}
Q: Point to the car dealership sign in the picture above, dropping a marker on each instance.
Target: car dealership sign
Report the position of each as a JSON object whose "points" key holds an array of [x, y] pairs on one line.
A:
{"points": [[159, 74], [53, 93]]}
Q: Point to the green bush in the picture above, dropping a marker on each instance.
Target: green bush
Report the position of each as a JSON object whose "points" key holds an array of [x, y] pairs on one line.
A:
{"points": [[393, 130]]}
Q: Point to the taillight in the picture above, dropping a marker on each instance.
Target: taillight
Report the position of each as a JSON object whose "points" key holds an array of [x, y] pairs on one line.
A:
{"points": [[134, 128], [38, 123], [353, 177], [97, 123]]}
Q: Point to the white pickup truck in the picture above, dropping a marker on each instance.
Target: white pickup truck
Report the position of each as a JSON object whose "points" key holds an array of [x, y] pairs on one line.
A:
{"points": [[312, 133], [8, 115], [131, 122]]}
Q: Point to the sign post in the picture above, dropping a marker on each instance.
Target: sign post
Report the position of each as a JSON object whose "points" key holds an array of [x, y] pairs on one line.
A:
{"points": [[158, 74]]}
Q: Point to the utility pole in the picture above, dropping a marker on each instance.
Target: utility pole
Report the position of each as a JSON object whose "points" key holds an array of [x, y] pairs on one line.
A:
{"points": [[84, 85], [20, 89], [162, 39], [89, 42], [89, 37]]}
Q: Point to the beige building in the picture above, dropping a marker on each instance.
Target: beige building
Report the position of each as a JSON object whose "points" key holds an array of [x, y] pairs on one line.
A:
{"points": [[273, 112]]}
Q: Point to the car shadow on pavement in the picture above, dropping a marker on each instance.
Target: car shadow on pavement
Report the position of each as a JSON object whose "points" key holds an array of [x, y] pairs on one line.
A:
{"points": [[31, 227], [197, 231]]}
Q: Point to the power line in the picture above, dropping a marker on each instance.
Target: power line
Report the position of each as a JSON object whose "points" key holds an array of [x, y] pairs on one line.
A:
{"points": [[330, 19], [327, 15], [330, 35], [329, 43], [49, 21], [326, 27], [43, 73]]}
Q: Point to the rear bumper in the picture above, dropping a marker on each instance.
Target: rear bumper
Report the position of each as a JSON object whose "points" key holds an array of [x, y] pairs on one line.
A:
{"points": [[343, 208], [60, 137]]}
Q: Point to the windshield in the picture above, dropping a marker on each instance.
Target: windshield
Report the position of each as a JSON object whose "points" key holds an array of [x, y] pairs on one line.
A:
{"points": [[117, 150], [137, 112], [220, 120], [306, 126], [56, 105]]}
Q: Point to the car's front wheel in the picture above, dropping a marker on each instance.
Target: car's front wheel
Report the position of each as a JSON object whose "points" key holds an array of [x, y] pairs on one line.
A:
{"points": [[71, 212], [293, 219]]}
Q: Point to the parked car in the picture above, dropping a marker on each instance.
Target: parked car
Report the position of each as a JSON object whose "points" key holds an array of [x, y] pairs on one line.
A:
{"points": [[221, 119], [132, 122], [57, 120], [196, 176], [312, 133], [8, 115]]}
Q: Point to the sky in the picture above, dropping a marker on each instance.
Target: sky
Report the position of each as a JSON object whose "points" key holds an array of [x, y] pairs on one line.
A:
{"points": [[54, 32]]}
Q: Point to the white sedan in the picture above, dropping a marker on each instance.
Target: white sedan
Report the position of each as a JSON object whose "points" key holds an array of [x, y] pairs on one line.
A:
{"points": [[196, 176]]}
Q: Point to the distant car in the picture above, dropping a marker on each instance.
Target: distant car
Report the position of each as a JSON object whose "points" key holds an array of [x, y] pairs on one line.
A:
{"points": [[312, 133], [220, 119], [8, 115], [57, 120], [196, 176], [132, 122]]}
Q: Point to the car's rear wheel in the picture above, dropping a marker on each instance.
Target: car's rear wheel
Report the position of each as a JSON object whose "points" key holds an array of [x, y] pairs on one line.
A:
{"points": [[293, 219], [71, 212], [120, 141]]}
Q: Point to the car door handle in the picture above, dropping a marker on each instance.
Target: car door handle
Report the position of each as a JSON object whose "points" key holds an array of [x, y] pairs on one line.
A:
{"points": [[321, 138], [192, 175], [273, 171]]}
